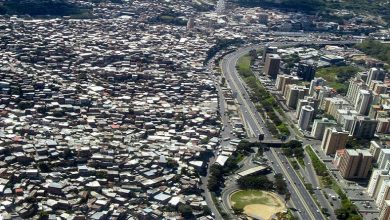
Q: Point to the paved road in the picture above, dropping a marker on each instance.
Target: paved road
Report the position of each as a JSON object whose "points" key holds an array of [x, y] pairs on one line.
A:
{"points": [[304, 201], [226, 133], [311, 176], [255, 125], [253, 120], [295, 200]]}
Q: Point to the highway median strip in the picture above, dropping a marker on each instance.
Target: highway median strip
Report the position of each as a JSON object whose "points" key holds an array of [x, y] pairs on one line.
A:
{"points": [[265, 102], [347, 207]]}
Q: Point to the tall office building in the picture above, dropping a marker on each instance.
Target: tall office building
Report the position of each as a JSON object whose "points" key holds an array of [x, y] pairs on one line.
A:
{"points": [[325, 92], [375, 74], [363, 127], [361, 76], [271, 66], [363, 102], [384, 193], [308, 100], [347, 122], [305, 117], [378, 87], [376, 181], [319, 127], [331, 105], [384, 213], [374, 110], [263, 18], [375, 149], [316, 82], [337, 157], [344, 111], [355, 85], [334, 139], [383, 125], [293, 93], [190, 23], [306, 71], [355, 164], [384, 159], [282, 80], [268, 50]]}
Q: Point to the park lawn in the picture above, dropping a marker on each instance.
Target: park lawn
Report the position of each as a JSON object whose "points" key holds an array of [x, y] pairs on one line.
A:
{"points": [[328, 73], [243, 198], [337, 73], [244, 66], [337, 85]]}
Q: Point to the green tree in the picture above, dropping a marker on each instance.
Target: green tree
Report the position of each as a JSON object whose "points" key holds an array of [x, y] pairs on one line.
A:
{"points": [[245, 147], [213, 184], [171, 163], [255, 182], [237, 211], [185, 211], [44, 167], [292, 144], [280, 184], [253, 55], [206, 210]]}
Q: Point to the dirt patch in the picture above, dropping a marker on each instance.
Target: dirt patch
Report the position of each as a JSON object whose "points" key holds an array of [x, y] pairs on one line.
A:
{"points": [[265, 212]]}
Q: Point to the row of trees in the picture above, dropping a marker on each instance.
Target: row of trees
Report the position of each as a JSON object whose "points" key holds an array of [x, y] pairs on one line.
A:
{"points": [[348, 210], [222, 44], [266, 102], [376, 49], [261, 182], [293, 148], [255, 182], [217, 172]]}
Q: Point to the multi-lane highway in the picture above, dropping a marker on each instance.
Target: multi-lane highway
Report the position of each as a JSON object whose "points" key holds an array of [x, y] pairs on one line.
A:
{"points": [[252, 118], [300, 199], [254, 122]]}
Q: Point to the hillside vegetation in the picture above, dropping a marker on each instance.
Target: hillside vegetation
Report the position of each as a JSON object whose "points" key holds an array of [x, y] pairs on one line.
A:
{"points": [[376, 49], [323, 7], [41, 8]]}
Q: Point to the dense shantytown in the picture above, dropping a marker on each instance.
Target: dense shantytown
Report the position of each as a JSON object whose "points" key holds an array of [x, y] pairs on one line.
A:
{"points": [[121, 116]]}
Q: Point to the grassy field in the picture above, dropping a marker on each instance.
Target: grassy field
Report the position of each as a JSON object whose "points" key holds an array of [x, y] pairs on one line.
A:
{"points": [[243, 198], [337, 76], [244, 65], [262, 97], [257, 204]]}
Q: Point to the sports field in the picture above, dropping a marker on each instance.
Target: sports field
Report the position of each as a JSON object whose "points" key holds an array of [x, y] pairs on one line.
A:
{"points": [[257, 204]]}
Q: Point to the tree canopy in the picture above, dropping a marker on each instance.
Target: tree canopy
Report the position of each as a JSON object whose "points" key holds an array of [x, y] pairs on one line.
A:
{"points": [[255, 182], [40, 7], [298, 5]]}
